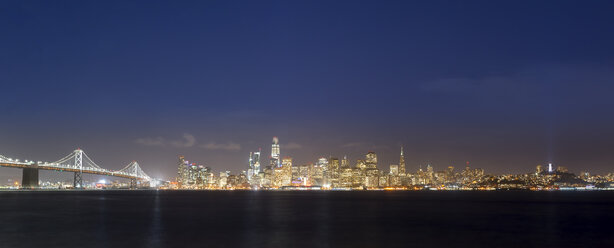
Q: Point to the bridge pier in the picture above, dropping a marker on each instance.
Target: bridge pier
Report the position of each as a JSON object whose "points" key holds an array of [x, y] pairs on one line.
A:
{"points": [[29, 177], [78, 180], [132, 183]]}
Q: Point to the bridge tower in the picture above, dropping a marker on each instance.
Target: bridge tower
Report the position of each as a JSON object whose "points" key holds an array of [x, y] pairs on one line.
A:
{"points": [[133, 184], [29, 177], [78, 180]]}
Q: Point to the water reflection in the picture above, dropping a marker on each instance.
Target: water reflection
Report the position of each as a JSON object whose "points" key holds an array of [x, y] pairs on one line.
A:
{"points": [[155, 227]]}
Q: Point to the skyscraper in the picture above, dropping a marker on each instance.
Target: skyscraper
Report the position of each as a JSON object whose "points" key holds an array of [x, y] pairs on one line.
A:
{"points": [[371, 160], [402, 163], [333, 164], [181, 171], [371, 172], [275, 154], [345, 163], [287, 171], [254, 164], [394, 170]]}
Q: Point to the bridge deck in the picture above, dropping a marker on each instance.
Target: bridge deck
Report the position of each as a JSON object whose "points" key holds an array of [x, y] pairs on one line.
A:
{"points": [[66, 169]]}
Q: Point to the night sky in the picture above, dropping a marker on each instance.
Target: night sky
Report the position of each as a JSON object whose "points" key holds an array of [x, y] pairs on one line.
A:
{"points": [[506, 85]]}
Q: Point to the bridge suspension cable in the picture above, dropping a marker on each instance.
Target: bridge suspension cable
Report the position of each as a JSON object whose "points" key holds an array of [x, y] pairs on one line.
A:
{"points": [[90, 163], [63, 160], [133, 169]]}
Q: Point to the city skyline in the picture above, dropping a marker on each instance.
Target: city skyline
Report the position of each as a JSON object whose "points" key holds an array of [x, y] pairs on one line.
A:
{"points": [[331, 173], [254, 165]]}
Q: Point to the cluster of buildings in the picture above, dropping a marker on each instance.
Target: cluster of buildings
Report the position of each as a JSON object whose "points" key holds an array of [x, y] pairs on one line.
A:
{"points": [[335, 173]]}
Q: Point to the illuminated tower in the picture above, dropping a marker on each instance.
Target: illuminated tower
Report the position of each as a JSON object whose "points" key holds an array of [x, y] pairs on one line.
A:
{"points": [[287, 171], [550, 169], [254, 164], [181, 171], [333, 171], [275, 153], [402, 162]]}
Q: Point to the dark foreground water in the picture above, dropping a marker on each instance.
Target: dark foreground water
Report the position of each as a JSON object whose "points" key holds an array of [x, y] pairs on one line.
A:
{"points": [[306, 219]]}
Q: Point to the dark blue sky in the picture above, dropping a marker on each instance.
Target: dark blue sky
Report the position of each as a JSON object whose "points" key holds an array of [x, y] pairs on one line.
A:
{"points": [[505, 85]]}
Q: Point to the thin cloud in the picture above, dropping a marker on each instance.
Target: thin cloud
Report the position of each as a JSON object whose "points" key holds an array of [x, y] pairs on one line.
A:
{"points": [[216, 146], [292, 146], [188, 141], [353, 144]]}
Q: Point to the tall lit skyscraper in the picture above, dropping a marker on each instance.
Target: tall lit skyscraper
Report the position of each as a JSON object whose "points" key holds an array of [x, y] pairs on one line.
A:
{"points": [[333, 171], [275, 153], [402, 163], [287, 171], [181, 170], [254, 164]]}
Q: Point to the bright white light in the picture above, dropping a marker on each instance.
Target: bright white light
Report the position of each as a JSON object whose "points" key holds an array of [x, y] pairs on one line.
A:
{"points": [[102, 181]]}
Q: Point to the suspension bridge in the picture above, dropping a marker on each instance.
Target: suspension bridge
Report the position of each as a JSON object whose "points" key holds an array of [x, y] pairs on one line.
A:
{"points": [[77, 162]]}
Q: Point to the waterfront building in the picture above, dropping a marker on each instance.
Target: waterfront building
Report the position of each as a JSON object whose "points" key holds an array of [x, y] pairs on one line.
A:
{"points": [[305, 174], [223, 180], [393, 180], [345, 178], [286, 166], [267, 178], [317, 172], [333, 171], [383, 181], [232, 181], [371, 178], [358, 177], [296, 176], [439, 178], [211, 180], [262, 180], [278, 177], [242, 180], [450, 177]]}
